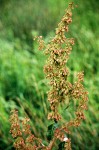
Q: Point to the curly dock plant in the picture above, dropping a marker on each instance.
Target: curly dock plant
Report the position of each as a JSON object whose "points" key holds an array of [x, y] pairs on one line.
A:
{"points": [[61, 90]]}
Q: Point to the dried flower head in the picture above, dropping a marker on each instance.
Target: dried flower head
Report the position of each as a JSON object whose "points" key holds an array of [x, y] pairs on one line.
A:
{"points": [[58, 51]]}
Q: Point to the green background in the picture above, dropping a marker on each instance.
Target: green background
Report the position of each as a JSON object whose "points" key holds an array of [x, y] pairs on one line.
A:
{"points": [[22, 82]]}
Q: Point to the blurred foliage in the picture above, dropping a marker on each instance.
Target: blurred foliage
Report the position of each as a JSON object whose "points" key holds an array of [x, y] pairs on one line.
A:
{"points": [[22, 82]]}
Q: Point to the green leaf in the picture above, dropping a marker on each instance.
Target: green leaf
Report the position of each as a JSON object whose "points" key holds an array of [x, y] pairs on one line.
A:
{"points": [[61, 146], [51, 129]]}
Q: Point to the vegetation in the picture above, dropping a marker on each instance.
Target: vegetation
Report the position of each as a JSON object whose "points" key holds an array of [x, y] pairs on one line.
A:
{"points": [[22, 82], [61, 92]]}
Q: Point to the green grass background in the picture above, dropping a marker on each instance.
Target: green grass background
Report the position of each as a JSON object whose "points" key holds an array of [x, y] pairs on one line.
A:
{"points": [[22, 82]]}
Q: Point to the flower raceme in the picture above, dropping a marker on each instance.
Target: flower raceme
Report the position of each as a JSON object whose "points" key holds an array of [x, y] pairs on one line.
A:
{"points": [[58, 51]]}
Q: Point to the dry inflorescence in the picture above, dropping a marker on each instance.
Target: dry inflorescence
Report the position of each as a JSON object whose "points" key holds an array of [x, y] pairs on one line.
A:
{"points": [[58, 51]]}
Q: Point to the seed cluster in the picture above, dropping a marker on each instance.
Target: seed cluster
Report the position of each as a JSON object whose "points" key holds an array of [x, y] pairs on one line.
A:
{"points": [[58, 51], [24, 139], [15, 126], [55, 69]]}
